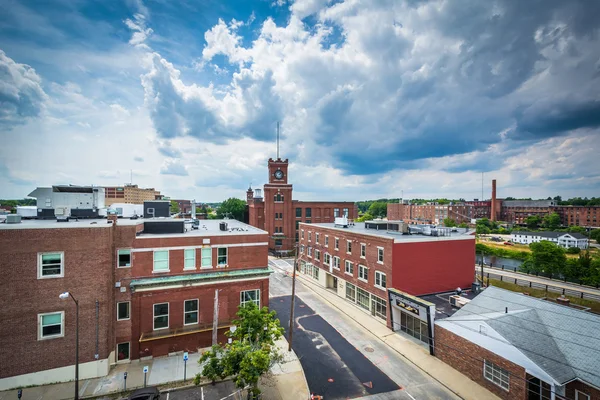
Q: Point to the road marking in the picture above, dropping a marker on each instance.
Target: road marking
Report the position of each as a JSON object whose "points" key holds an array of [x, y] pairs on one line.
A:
{"points": [[409, 395], [202, 392], [168, 393]]}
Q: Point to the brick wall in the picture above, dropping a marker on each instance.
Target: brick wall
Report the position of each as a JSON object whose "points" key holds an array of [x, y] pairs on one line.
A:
{"points": [[467, 358], [582, 387], [87, 275]]}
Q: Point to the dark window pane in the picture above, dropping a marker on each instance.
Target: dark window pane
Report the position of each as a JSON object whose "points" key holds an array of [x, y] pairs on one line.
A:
{"points": [[51, 330], [191, 305]]}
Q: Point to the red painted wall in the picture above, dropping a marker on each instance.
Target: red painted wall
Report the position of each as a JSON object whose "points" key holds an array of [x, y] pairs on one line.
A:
{"points": [[432, 267]]}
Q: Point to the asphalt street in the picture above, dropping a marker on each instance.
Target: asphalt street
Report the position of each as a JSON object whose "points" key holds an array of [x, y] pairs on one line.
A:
{"points": [[221, 390], [333, 367]]}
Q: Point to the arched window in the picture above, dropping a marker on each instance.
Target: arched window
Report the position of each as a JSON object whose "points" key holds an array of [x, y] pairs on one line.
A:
{"points": [[278, 197]]}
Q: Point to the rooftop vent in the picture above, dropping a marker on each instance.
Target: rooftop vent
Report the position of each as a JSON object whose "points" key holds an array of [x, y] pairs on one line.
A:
{"points": [[13, 219], [458, 301], [223, 226], [341, 221]]}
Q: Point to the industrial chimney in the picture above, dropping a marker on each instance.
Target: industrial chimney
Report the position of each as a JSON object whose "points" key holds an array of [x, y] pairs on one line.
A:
{"points": [[493, 211]]}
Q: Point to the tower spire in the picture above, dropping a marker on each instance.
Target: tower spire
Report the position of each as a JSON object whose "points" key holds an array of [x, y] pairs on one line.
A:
{"points": [[278, 140]]}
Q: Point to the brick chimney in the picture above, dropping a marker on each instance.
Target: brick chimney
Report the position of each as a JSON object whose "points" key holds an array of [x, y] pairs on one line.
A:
{"points": [[112, 217], [493, 213]]}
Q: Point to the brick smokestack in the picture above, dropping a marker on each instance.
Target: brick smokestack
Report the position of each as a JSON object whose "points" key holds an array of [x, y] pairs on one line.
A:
{"points": [[493, 216]]}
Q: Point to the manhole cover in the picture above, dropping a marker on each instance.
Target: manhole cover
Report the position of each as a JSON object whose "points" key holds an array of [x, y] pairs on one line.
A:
{"points": [[369, 349]]}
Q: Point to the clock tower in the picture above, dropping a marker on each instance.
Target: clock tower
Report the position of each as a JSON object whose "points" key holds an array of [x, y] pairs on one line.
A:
{"points": [[278, 217]]}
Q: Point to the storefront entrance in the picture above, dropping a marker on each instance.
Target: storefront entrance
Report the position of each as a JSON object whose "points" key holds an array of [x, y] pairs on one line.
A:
{"points": [[412, 316]]}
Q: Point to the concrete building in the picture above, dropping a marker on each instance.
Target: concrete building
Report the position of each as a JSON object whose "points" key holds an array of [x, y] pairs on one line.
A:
{"points": [[280, 215], [520, 347], [145, 288], [130, 194], [69, 201], [563, 239], [364, 261]]}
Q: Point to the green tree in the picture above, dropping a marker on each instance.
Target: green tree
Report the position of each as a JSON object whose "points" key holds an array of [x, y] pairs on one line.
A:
{"points": [[463, 225], [595, 234], [548, 258], [378, 209], [552, 221], [533, 221], [174, 207], [365, 217], [251, 353], [232, 208], [577, 229], [449, 222]]}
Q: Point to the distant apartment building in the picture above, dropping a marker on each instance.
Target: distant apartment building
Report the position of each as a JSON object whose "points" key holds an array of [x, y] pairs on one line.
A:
{"points": [[280, 215], [587, 216], [130, 194], [517, 211], [432, 213], [145, 288], [562, 239], [363, 262]]}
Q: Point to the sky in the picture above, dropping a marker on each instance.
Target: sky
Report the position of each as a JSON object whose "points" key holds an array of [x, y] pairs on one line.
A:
{"points": [[377, 98]]}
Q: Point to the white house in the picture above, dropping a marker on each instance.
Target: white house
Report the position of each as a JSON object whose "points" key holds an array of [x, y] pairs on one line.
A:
{"points": [[563, 239]]}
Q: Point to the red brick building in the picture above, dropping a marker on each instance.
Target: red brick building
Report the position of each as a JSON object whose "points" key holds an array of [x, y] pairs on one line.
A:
{"points": [[280, 215], [363, 261], [145, 288]]}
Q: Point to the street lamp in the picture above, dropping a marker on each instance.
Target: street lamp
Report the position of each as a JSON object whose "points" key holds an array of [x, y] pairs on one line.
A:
{"points": [[64, 296]]}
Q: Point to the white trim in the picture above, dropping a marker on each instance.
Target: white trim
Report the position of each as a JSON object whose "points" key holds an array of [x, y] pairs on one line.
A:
{"points": [[184, 260], [250, 290], [361, 246], [154, 262], [367, 269], [348, 242], [226, 257], [62, 265], [141, 250], [62, 326], [578, 392], [128, 309], [492, 366], [197, 312], [130, 257], [336, 241], [202, 257], [382, 253], [168, 316], [187, 284], [375, 280], [326, 241], [125, 360]]}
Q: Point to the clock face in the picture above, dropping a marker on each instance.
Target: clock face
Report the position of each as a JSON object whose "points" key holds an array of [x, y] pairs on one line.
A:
{"points": [[278, 174]]}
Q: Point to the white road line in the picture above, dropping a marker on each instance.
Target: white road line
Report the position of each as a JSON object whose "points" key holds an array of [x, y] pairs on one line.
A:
{"points": [[202, 392], [168, 393], [409, 395]]}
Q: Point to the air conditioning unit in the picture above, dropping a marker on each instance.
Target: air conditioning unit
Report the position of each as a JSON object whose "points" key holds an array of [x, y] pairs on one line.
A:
{"points": [[458, 301]]}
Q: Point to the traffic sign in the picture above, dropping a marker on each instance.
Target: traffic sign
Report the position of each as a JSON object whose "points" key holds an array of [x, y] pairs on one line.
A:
{"points": [[145, 369], [185, 356]]}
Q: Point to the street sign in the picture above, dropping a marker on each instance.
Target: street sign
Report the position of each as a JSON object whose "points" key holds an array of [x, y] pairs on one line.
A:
{"points": [[146, 369], [185, 356]]}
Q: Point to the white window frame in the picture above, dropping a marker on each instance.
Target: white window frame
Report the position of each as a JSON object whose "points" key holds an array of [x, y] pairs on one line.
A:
{"points": [[62, 265], [500, 374], [154, 316], [317, 255], [362, 268], [336, 265], [189, 312], [363, 246], [327, 258], [243, 302], [219, 265], [378, 275], [317, 237], [62, 326], [382, 255], [336, 244], [309, 235], [579, 395], [128, 311], [302, 233], [185, 258], [117, 353], [154, 270], [130, 258], [346, 263], [309, 252], [203, 257], [348, 245], [326, 241]]}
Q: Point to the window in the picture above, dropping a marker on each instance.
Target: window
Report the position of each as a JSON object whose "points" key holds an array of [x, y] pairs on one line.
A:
{"points": [[309, 236], [581, 396], [161, 316], [315, 272], [336, 262], [123, 351], [123, 310], [336, 212], [378, 307], [248, 296], [337, 243], [363, 250], [326, 241], [298, 213], [309, 251], [308, 212], [302, 231], [161, 261], [348, 246], [50, 265], [346, 212], [318, 255], [327, 259], [189, 259], [51, 325], [363, 299], [307, 221], [380, 279], [297, 225], [349, 268], [380, 255], [190, 312], [317, 237], [363, 273], [278, 197], [496, 375], [222, 256], [301, 249], [350, 292], [124, 256], [278, 242], [206, 257]]}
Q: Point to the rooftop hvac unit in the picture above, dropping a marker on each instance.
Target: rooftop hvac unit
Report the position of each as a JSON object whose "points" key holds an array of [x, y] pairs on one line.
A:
{"points": [[223, 226], [458, 301], [13, 219], [341, 221]]}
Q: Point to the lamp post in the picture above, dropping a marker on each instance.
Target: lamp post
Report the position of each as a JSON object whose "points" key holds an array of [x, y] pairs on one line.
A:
{"points": [[65, 296]]}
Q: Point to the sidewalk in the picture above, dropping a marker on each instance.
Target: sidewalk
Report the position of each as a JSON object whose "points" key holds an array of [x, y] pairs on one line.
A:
{"points": [[419, 356], [286, 381]]}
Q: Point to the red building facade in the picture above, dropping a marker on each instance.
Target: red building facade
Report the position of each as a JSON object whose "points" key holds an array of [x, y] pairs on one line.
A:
{"points": [[147, 287], [280, 215]]}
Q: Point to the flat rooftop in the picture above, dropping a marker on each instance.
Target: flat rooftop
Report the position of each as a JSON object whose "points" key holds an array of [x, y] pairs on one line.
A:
{"points": [[208, 227], [443, 308], [359, 228]]}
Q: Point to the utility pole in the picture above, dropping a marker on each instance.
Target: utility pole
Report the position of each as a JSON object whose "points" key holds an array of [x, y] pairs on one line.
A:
{"points": [[215, 318], [291, 330], [482, 280]]}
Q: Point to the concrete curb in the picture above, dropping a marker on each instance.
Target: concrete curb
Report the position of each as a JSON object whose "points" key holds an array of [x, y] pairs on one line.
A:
{"points": [[126, 393]]}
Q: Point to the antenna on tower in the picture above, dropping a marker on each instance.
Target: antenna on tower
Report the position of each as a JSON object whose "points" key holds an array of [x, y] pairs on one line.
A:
{"points": [[482, 186], [278, 140], [131, 176]]}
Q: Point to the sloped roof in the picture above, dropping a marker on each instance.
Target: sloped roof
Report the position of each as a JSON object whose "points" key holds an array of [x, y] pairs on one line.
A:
{"points": [[550, 234], [563, 342]]}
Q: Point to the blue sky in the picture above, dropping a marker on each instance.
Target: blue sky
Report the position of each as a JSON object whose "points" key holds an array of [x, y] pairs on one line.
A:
{"points": [[375, 98]]}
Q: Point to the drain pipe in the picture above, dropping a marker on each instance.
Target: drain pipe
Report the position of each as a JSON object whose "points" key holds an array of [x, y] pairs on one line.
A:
{"points": [[97, 355]]}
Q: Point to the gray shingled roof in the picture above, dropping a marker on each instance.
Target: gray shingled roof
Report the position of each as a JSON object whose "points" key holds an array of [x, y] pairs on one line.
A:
{"points": [[559, 339]]}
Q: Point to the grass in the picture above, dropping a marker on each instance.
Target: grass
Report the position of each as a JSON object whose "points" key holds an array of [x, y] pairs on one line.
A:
{"points": [[539, 293], [594, 252]]}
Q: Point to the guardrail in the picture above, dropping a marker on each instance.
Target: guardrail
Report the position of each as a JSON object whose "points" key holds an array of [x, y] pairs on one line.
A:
{"points": [[542, 275]]}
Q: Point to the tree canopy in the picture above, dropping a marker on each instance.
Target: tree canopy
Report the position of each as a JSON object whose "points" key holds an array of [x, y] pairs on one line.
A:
{"points": [[533, 221], [552, 221], [449, 222], [232, 208], [378, 209]]}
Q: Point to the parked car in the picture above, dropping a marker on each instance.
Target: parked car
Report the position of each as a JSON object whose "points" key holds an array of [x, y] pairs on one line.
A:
{"points": [[149, 393], [508, 243]]}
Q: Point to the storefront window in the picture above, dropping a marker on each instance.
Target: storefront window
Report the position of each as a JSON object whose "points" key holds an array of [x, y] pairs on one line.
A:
{"points": [[362, 298], [350, 292]]}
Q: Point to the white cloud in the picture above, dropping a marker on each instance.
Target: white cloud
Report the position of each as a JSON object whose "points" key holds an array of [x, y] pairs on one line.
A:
{"points": [[173, 167]]}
